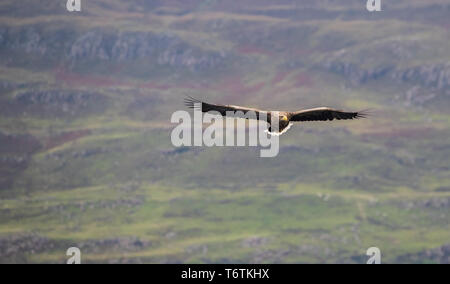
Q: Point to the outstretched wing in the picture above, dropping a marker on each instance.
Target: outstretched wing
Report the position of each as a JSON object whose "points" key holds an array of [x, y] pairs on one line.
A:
{"points": [[324, 114], [225, 110]]}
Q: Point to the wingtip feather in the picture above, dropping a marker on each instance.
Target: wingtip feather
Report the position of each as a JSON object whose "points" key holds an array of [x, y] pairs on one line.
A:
{"points": [[364, 113], [191, 102]]}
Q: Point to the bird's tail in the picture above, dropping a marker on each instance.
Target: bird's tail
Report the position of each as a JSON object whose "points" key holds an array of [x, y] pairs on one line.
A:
{"points": [[279, 133]]}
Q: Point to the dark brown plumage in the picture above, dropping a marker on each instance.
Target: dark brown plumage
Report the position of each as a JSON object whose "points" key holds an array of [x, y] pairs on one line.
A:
{"points": [[285, 117]]}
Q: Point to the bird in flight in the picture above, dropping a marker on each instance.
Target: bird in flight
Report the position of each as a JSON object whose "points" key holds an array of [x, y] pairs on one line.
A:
{"points": [[285, 118]]}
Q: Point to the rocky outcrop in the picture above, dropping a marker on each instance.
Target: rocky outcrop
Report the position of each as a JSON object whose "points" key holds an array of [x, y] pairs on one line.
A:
{"points": [[56, 97], [16, 248], [127, 244], [440, 255], [417, 96], [354, 73], [106, 45], [435, 76], [433, 203], [161, 48], [34, 40], [432, 76], [54, 102]]}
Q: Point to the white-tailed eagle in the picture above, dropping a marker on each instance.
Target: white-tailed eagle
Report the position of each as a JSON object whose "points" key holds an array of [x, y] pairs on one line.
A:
{"points": [[285, 117]]}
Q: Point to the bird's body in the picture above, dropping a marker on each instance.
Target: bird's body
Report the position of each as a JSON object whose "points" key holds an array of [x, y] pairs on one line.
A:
{"points": [[283, 124], [285, 118]]}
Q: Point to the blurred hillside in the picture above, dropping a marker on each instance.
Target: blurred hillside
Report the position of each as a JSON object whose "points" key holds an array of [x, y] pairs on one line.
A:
{"points": [[85, 152]]}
